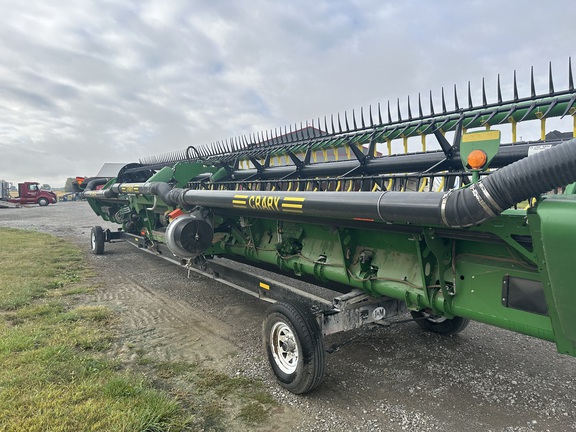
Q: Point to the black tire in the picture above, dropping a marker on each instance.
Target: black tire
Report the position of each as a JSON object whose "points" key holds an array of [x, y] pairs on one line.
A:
{"points": [[441, 325], [294, 347], [97, 239], [42, 202]]}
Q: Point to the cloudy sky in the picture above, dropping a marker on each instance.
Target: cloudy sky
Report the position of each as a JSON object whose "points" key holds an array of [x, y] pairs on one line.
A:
{"points": [[86, 82]]}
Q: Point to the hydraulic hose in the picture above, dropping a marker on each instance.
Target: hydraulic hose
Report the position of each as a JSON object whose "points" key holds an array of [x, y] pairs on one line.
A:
{"points": [[526, 178], [96, 182]]}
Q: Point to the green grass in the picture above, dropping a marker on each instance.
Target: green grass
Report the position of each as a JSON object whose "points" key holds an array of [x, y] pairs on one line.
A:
{"points": [[56, 372]]}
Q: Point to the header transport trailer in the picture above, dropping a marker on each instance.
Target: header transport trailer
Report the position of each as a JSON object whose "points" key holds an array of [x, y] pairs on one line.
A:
{"points": [[475, 230]]}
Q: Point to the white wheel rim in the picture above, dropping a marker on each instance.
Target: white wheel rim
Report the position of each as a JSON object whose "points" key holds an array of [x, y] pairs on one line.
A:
{"points": [[284, 347], [93, 240]]}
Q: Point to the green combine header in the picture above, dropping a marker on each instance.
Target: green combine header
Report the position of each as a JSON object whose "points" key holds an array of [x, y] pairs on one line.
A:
{"points": [[476, 229]]}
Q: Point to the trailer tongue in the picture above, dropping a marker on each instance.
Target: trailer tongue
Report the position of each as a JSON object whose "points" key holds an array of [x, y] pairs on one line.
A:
{"points": [[477, 230]]}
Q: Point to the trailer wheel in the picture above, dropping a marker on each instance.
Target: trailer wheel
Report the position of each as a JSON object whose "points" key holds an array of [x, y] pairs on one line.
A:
{"points": [[42, 202], [97, 240], [294, 346], [438, 324]]}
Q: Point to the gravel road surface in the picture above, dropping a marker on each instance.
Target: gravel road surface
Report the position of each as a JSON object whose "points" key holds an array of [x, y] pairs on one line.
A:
{"points": [[390, 379]]}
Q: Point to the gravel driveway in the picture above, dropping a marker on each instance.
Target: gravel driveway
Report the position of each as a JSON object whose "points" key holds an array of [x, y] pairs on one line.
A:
{"points": [[393, 379]]}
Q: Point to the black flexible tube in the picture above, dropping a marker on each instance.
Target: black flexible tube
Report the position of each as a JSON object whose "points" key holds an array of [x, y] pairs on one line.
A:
{"points": [[529, 177], [96, 182]]}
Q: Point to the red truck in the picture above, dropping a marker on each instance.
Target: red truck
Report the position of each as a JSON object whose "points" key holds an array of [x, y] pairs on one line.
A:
{"points": [[30, 193]]}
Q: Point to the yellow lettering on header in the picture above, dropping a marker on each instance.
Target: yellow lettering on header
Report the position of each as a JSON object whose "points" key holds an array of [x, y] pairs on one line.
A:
{"points": [[269, 203]]}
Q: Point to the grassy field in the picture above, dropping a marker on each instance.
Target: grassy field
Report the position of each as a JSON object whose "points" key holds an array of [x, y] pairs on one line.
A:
{"points": [[56, 374]]}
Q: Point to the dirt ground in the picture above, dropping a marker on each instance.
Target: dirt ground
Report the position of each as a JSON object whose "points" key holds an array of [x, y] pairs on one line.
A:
{"points": [[394, 379]]}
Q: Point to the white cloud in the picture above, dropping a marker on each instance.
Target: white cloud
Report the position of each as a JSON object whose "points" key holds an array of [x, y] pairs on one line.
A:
{"points": [[83, 83]]}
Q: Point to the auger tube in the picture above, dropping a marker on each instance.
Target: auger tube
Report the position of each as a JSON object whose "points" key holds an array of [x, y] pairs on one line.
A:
{"points": [[459, 208]]}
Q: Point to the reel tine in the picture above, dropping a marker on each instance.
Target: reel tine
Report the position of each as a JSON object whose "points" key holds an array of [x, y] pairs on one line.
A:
{"points": [[346, 121], [409, 109], [515, 87], [354, 120], [389, 116], [532, 86], [456, 104], [371, 119], [379, 114], [431, 104], [484, 101], [550, 81], [398, 107], [499, 90], [470, 104], [570, 79], [420, 113]]}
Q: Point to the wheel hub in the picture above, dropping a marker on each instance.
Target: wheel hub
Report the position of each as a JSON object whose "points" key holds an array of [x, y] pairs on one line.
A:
{"points": [[284, 347]]}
